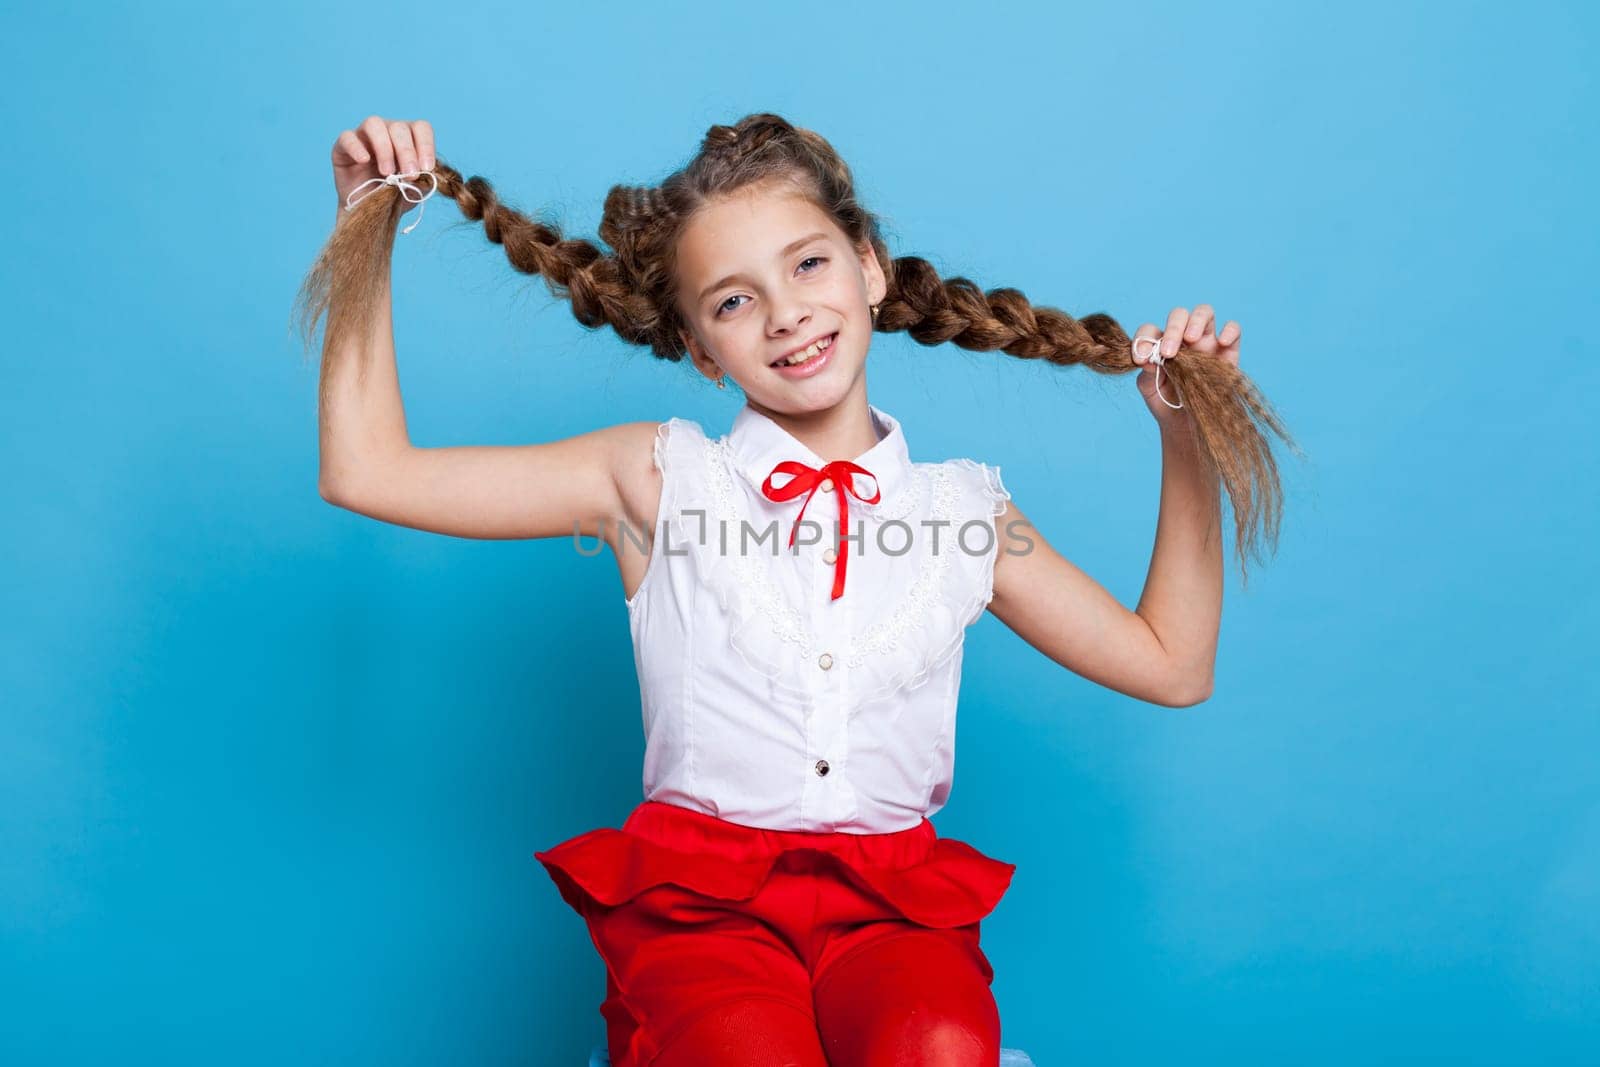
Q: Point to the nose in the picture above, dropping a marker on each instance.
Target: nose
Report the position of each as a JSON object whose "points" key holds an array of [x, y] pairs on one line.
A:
{"points": [[789, 314]]}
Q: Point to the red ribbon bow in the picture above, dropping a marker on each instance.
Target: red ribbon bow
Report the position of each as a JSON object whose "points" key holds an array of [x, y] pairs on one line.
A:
{"points": [[807, 480]]}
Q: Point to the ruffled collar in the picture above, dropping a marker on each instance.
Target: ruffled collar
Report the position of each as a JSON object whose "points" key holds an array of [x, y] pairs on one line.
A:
{"points": [[758, 444]]}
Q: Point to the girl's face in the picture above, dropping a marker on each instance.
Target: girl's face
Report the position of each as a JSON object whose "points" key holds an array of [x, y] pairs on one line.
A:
{"points": [[765, 272]]}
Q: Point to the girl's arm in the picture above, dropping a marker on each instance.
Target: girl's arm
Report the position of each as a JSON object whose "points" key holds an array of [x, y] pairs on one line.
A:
{"points": [[368, 463], [370, 466], [1163, 652]]}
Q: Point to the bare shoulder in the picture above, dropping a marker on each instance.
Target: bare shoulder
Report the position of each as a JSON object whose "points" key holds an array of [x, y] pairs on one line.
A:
{"points": [[632, 457]]}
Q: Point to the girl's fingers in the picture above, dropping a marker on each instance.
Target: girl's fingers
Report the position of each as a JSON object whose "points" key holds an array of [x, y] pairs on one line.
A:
{"points": [[348, 150], [1141, 352], [1198, 322], [422, 132], [405, 149], [1175, 324], [1230, 334], [377, 135]]}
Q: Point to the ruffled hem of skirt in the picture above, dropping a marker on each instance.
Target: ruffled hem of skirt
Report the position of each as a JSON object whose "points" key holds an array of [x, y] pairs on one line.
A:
{"points": [[953, 886]]}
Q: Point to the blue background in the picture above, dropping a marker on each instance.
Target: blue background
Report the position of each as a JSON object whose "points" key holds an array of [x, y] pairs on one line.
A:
{"points": [[272, 773]]}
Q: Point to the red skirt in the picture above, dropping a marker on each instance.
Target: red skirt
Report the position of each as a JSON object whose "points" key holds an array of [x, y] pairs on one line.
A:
{"points": [[686, 909]]}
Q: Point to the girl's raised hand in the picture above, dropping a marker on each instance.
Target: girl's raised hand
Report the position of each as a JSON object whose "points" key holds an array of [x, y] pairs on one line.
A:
{"points": [[378, 148], [1196, 332]]}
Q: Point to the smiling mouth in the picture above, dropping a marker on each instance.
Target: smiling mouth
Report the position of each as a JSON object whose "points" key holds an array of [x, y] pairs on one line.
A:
{"points": [[809, 354]]}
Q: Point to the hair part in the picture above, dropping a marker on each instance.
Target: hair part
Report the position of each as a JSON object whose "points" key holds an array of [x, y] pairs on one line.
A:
{"points": [[633, 290]]}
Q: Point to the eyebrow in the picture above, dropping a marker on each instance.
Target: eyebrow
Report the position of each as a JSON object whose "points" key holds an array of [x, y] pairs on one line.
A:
{"points": [[788, 249]]}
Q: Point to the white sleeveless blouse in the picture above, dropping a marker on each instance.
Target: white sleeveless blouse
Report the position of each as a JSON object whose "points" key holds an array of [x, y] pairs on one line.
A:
{"points": [[768, 702]]}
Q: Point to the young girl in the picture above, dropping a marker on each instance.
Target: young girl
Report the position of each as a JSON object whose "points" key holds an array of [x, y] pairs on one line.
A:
{"points": [[799, 600]]}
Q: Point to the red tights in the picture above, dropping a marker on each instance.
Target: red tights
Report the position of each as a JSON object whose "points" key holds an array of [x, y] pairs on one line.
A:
{"points": [[913, 997]]}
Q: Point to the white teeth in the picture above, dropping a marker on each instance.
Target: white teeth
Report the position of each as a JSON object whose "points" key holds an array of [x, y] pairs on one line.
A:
{"points": [[801, 357]]}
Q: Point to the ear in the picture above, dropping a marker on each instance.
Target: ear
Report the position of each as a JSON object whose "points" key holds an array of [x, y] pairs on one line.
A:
{"points": [[872, 270], [697, 355]]}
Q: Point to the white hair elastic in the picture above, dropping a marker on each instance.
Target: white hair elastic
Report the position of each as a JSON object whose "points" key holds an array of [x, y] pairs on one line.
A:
{"points": [[405, 187], [1158, 359]]}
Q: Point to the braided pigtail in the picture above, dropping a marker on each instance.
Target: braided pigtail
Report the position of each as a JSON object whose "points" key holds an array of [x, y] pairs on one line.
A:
{"points": [[1228, 411]]}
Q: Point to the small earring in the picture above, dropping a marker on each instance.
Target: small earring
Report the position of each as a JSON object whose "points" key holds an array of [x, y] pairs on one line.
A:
{"points": [[874, 312], [720, 383]]}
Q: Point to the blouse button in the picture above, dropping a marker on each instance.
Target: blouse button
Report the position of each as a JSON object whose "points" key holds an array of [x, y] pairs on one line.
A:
{"points": [[829, 556], [827, 485], [822, 768], [825, 660]]}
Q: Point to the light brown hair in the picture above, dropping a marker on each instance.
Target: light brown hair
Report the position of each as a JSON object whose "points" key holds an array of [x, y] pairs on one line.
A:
{"points": [[632, 289]]}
